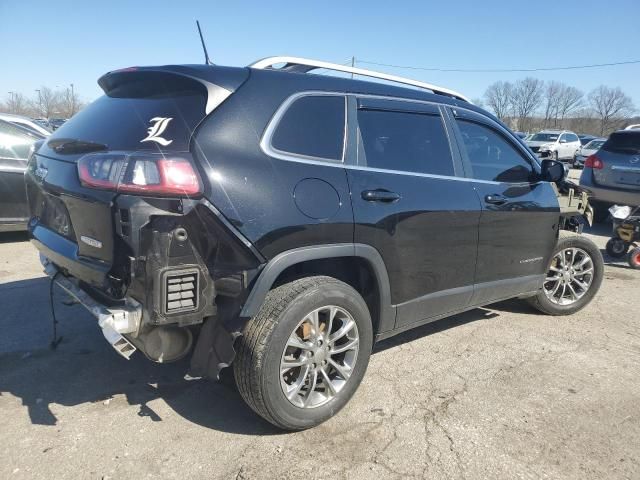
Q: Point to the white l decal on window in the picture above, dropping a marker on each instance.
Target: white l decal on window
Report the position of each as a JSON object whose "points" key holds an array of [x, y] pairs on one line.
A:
{"points": [[158, 129]]}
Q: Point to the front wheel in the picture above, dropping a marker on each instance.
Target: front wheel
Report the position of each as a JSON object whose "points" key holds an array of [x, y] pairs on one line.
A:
{"points": [[573, 278], [302, 357]]}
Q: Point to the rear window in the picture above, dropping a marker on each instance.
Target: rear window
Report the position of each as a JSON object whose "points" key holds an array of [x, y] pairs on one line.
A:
{"points": [[623, 142], [313, 126], [149, 113]]}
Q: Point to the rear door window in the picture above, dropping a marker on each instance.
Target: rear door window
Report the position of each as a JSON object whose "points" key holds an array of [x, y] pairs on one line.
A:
{"points": [[404, 141], [313, 126], [493, 157]]}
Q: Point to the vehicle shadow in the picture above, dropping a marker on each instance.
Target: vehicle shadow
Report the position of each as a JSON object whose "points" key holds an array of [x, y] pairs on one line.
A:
{"points": [[85, 370], [13, 237], [475, 315]]}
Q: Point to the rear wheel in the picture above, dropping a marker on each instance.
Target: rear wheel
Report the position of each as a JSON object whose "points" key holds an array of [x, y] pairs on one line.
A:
{"points": [[617, 248], [303, 356], [634, 258], [573, 278]]}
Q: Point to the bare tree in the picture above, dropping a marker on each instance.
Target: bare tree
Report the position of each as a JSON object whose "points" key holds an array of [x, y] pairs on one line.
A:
{"points": [[498, 98], [49, 102], [570, 100], [552, 94], [69, 102], [611, 106], [16, 103], [527, 98]]}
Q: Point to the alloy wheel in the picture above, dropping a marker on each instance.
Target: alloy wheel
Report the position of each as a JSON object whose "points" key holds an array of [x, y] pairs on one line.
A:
{"points": [[570, 276], [319, 357]]}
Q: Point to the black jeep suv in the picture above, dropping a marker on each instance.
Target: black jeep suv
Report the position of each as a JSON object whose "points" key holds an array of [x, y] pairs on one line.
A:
{"points": [[285, 221]]}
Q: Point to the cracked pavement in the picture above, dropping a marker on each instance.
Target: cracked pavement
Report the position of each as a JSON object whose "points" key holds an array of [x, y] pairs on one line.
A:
{"points": [[500, 392]]}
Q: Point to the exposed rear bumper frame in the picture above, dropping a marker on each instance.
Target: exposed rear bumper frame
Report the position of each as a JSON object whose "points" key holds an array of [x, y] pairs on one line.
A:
{"points": [[114, 322]]}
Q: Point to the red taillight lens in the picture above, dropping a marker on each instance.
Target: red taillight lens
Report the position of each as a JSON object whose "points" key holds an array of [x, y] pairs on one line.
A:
{"points": [[593, 161], [146, 173]]}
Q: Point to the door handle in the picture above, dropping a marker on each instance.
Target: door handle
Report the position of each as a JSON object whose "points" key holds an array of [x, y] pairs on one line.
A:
{"points": [[495, 199], [380, 196]]}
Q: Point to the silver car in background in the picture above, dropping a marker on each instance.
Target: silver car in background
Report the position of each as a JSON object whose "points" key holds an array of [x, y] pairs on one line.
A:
{"points": [[612, 174], [587, 150]]}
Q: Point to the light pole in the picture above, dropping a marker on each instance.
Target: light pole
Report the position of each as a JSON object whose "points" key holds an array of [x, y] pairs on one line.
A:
{"points": [[73, 102], [12, 102], [39, 101]]}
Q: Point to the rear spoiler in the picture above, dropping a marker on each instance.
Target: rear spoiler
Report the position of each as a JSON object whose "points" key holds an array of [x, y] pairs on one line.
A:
{"points": [[216, 82]]}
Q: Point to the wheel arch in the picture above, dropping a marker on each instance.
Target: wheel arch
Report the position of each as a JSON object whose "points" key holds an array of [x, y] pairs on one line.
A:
{"points": [[315, 259]]}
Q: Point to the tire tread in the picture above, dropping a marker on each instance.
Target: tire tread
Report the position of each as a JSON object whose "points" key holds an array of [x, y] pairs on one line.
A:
{"points": [[254, 343], [538, 302]]}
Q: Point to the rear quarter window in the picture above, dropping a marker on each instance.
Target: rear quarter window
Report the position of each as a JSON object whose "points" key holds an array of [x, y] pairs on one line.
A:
{"points": [[312, 126]]}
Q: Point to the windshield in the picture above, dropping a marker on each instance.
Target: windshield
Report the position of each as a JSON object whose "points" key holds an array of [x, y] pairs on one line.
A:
{"points": [[544, 137], [594, 145], [623, 142]]}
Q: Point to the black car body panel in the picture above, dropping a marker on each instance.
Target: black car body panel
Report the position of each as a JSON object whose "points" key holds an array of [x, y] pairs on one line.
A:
{"points": [[422, 243]]}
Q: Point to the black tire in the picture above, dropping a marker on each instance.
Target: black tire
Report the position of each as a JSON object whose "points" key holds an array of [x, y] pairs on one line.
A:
{"points": [[569, 239], [260, 349], [617, 248], [634, 258]]}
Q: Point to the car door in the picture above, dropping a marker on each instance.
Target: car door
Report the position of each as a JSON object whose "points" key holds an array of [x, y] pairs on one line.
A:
{"points": [[564, 146], [411, 204], [14, 151], [519, 220], [573, 144]]}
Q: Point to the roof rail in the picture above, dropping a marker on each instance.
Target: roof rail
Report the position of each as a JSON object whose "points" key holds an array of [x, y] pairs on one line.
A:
{"points": [[304, 65]]}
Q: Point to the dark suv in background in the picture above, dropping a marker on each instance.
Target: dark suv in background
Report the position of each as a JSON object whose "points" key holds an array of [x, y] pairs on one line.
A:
{"points": [[285, 221]]}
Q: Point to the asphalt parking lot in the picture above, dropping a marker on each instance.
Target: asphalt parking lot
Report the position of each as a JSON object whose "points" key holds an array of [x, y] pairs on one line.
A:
{"points": [[501, 392]]}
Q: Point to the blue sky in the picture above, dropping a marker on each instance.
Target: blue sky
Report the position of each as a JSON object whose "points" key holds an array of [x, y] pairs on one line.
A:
{"points": [[58, 42]]}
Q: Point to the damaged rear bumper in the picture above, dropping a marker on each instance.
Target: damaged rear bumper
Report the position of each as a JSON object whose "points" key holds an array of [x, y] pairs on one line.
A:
{"points": [[114, 322]]}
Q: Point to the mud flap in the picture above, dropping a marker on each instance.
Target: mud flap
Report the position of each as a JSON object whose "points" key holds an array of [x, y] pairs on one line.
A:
{"points": [[213, 351]]}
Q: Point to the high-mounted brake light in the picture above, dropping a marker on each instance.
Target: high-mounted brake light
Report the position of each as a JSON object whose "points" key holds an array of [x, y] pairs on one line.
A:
{"points": [[140, 173], [593, 161]]}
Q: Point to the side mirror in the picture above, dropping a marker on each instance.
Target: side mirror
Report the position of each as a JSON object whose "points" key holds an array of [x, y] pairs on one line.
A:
{"points": [[563, 140], [552, 171]]}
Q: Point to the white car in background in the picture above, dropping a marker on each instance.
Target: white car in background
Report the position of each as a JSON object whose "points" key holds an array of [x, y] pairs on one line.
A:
{"points": [[554, 144], [635, 126], [25, 123]]}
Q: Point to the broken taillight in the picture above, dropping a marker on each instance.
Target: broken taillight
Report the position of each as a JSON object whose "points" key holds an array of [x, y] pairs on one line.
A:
{"points": [[141, 173]]}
